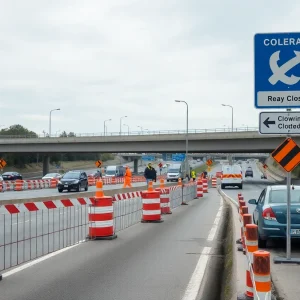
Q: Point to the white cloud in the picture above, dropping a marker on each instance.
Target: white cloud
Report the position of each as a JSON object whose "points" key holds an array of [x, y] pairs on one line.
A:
{"points": [[105, 59]]}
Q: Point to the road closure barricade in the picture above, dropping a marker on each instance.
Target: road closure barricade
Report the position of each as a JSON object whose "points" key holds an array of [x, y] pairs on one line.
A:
{"points": [[35, 229], [257, 272]]}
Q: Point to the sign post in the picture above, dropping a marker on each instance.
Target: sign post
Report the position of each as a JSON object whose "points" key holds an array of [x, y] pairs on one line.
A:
{"points": [[288, 156]]}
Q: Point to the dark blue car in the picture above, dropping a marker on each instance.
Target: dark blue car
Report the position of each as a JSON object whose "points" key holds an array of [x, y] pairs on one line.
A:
{"points": [[271, 211]]}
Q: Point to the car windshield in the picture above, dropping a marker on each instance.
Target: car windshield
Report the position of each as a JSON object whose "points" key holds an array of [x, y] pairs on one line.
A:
{"points": [[173, 171], [71, 175], [280, 196], [50, 175], [8, 173], [110, 172]]}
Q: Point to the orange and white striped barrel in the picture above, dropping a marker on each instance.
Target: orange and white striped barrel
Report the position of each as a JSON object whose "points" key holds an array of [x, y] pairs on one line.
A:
{"points": [[199, 188], [205, 185], [91, 180], [53, 183], [214, 182], [1, 187], [151, 205], [179, 182], [19, 185], [251, 241], [165, 206], [113, 180], [262, 276], [240, 197], [30, 184], [101, 215]]}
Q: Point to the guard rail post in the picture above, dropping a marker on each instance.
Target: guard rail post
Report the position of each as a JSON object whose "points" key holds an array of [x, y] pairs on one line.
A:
{"points": [[183, 188]]}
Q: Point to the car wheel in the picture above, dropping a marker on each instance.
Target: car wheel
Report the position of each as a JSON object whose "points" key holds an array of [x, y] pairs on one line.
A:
{"points": [[86, 188], [261, 243], [168, 180], [78, 188], [60, 190]]}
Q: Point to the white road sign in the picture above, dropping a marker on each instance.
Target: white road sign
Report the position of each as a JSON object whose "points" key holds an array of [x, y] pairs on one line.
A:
{"points": [[285, 122]]}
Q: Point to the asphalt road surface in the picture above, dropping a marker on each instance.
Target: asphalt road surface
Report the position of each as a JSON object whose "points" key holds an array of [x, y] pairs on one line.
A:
{"points": [[146, 261]]}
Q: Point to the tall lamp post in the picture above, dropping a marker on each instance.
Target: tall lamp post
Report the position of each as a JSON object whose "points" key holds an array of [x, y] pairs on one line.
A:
{"points": [[105, 125], [127, 127], [141, 129], [231, 115], [50, 120], [121, 124], [187, 135]]}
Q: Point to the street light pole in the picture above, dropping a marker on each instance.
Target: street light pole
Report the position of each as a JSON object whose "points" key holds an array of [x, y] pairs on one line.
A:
{"points": [[121, 124], [50, 120], [231, 115], [141, 128], [105, 125], [127, 127], [187, 135]]}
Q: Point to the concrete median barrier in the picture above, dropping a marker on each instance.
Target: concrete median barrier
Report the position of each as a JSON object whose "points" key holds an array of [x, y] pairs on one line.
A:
{"points": [[243, 279]]}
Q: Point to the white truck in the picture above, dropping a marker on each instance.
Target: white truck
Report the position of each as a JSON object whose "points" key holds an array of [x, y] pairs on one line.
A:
{"points": [[232, 175]]}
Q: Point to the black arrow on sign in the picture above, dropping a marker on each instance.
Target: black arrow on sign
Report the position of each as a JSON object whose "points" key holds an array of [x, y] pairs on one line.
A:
{"points": [[267, 122]]}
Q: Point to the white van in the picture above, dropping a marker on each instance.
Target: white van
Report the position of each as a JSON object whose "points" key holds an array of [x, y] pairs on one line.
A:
{"points": [[232, 176], [176, 171], [114, 171]]}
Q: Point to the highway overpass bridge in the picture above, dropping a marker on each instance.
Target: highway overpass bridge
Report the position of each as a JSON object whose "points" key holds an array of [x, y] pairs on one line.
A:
{"points": [[207, 142], [225, 142]]}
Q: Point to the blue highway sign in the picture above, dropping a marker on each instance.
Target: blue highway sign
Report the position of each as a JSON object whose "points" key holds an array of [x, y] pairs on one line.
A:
{"points": [[277, 70], [148, 157], [178, 157]]}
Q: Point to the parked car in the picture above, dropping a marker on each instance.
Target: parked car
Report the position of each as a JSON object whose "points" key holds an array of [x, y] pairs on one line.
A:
{"points": [[12, 176], [73, 180], [249, 173], [270, 213], [52, 176]]}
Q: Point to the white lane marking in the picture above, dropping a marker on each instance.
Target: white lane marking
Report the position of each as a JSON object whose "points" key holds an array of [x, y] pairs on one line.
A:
{"points": [[193, 287], [38, 260], [214, 228]]}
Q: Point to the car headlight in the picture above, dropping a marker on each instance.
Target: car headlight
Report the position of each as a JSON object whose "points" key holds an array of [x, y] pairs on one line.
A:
{"points": [[59, 182], [76, 181]]}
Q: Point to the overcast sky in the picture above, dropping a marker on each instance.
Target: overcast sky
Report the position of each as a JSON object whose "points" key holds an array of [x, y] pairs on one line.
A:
{"points": [[101, 59]]}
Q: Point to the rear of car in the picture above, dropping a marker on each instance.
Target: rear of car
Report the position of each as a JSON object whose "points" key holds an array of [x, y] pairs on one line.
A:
{"points": [[249, 173], [271, 213], [232, 176]]}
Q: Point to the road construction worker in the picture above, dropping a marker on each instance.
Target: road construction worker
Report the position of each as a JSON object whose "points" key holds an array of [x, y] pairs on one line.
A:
{"points": [[127, 177], [193, 175], [150, 174]]}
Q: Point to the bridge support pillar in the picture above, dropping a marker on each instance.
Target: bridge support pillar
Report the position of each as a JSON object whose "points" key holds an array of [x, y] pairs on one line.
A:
{"points": [[136, 165], [46, 161]]}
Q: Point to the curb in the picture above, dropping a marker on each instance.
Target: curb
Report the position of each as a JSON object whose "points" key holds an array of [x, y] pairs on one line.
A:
{"points": [[276, 289]]}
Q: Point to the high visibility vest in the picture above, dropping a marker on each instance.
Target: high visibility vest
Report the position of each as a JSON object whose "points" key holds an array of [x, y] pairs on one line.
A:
{"points": [[193, 174]]}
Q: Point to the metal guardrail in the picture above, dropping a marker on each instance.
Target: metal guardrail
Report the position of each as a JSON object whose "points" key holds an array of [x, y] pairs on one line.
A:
{"points": [[146, 133]]}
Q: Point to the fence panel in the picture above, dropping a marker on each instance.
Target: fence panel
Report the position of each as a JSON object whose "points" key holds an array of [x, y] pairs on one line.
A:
{"points": [[25, 236], [127, 212]]}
